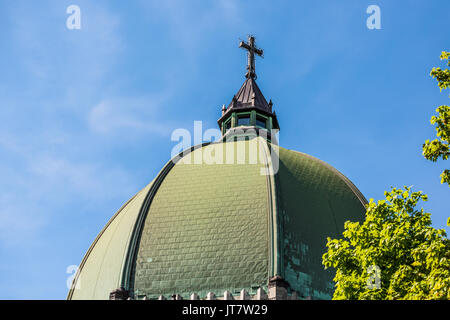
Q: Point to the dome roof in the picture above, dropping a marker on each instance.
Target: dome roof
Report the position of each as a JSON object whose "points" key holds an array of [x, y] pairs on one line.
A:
{"points": [[208, 223]]}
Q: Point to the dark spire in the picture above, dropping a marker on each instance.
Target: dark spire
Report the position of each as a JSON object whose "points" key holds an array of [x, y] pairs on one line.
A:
{"points": [[249, 95], [252, 49], [249, 102]]}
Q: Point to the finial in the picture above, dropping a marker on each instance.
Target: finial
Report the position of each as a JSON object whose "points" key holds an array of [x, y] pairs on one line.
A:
{"points": [[252, 49]]}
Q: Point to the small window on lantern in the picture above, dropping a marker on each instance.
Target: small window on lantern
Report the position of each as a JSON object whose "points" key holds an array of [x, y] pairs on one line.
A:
{"points": [[261, 122], [227, 124], [243, 120]]}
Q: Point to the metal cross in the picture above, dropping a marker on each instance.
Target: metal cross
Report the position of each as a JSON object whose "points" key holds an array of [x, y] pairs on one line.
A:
{"points": [[252, 49]]}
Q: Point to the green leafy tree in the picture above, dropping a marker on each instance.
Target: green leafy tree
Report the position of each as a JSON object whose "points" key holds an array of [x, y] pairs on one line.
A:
{"points": [[439, 148], [393, 254]]}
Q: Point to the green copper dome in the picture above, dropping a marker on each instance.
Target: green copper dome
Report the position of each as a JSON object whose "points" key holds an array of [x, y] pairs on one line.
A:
{"points": [[239, 214], [202, 227]]}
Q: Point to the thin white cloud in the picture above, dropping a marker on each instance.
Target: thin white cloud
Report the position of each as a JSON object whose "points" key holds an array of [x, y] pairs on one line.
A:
{"points": [[41, 182], [59, 74], [82, 179], [135, 116], [20, 222]]}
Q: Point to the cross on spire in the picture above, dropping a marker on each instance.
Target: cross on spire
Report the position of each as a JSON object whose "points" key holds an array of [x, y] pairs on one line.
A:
{"points": [[252, 49]]}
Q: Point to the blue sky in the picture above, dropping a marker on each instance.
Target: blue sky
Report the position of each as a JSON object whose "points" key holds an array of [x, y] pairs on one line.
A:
{"points": [[86, 115]]}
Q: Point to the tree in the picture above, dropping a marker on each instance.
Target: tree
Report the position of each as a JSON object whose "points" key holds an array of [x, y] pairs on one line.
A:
{"points": [[439, 148], [393, 254]]}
